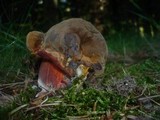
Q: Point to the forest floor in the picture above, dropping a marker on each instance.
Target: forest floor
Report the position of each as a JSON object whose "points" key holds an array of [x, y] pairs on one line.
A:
{"points": [[129, 88]]}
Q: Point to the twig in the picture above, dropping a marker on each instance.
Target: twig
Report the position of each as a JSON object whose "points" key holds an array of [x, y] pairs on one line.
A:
{"points": [[84, 117], [96, 112], [11, 84], [8, 85], [146, 114], [148, 97], [39, 98], [46, 105], [155, 102], [44, 100], [132, 108], [95, 106], [17, 109]]}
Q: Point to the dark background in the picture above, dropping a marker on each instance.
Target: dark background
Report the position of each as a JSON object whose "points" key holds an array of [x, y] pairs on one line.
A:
{"points": [[104, 14]]}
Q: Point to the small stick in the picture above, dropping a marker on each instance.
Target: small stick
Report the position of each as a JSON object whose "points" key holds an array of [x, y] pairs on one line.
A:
{"points": [[17, 109], [11, 84], [46, 105], [155, 102], [148, 97]]}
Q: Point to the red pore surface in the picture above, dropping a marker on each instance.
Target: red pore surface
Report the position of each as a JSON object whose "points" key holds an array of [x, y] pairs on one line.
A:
{"points": [[48, 57], [51, 76]]}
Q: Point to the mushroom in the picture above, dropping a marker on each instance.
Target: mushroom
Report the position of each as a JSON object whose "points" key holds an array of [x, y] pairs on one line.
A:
{"points": [[68, 50]]}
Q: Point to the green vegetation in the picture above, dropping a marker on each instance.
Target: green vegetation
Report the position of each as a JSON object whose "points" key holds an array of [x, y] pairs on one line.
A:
{"points": [[131, 57]]}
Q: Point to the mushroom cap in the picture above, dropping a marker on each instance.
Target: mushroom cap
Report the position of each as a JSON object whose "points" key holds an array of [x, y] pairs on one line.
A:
{"points": [[79, 40]]}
